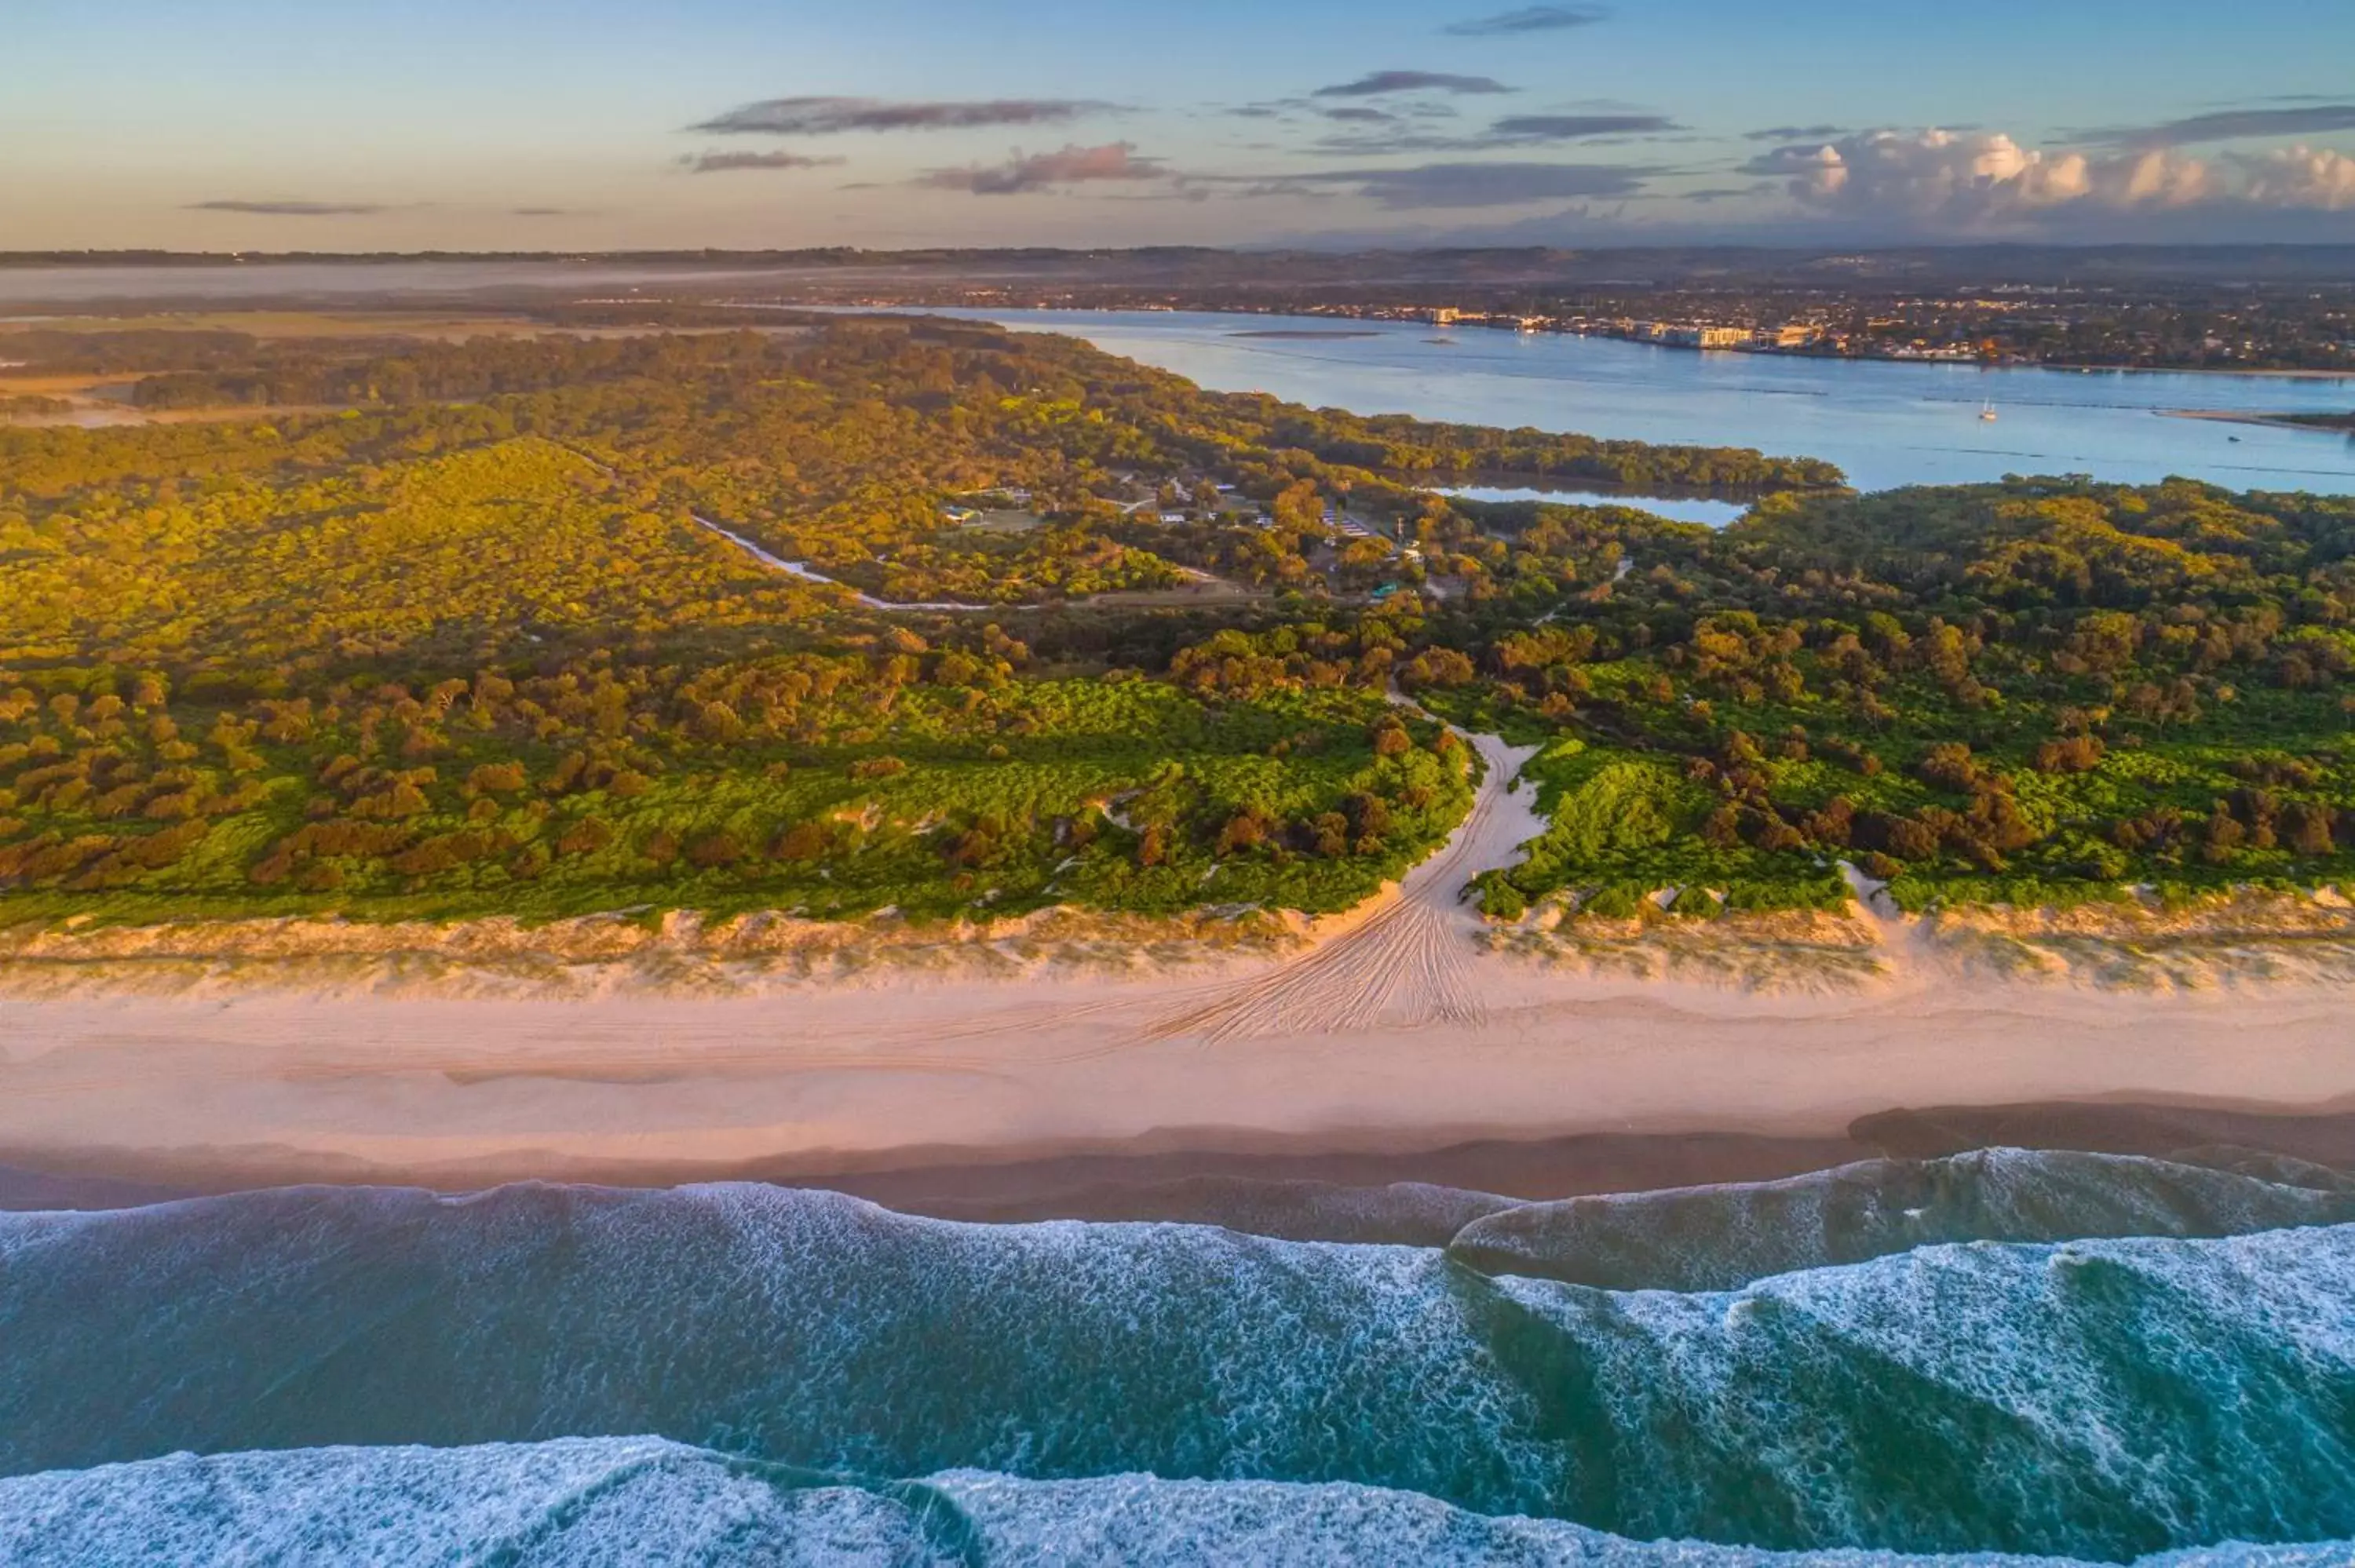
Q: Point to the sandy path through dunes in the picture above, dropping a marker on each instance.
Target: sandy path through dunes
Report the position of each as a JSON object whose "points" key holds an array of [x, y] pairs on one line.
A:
{"points": [[1407, 962], [1397, 1031]]}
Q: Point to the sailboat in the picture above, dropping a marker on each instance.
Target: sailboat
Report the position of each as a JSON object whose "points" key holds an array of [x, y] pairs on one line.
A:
{"points": [[1986, 410]]}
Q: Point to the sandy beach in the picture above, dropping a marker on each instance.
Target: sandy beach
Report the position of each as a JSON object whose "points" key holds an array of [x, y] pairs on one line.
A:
{"points": [[278, 1088], [1405, 1026]]}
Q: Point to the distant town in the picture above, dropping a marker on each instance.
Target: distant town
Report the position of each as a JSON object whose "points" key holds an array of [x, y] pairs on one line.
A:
{"points": [[1775, 337], [2272, 308], [2029, 326], [2310, 330]]}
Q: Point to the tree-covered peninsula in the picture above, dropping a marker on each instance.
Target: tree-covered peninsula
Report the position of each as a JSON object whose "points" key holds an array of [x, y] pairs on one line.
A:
{"points": [[856, 615]]}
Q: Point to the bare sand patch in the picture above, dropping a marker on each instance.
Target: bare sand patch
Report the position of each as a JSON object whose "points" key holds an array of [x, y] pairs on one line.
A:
{"points": [[679, 954], [280, 1086], [1407, 958]]}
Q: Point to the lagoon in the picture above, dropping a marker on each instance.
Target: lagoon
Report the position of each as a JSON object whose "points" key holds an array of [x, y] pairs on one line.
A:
{"points": [[1885, 423]]}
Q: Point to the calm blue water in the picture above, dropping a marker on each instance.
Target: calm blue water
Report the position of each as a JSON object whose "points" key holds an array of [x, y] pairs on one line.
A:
{"points": [[1886, 424], [1683, 508]]}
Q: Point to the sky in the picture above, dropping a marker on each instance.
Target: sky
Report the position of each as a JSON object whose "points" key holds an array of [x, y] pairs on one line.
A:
{"points": [[601, 124]]}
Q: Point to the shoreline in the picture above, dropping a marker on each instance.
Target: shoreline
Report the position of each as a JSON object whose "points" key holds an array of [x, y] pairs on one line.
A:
{"points": [[836, 1083], [2284, 373], [608, 1050], [1210, 1175]]}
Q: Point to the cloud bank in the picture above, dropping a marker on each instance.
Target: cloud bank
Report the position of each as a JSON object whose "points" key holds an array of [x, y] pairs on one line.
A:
{"points": [[1571, 127], [1985, 181], [1794, 133], [1427, 186], [289, 208], [2234, 125], [2314, 179], [1385, 135], [1382, 82], [728, 163]]}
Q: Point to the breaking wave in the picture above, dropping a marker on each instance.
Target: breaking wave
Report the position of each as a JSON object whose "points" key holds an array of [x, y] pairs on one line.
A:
{"points": [[2106, 1399], [1715, 1238], [640, 1502]]}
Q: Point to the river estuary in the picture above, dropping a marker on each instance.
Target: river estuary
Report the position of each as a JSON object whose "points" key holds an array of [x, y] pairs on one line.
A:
{"points": [[1885, 423]]}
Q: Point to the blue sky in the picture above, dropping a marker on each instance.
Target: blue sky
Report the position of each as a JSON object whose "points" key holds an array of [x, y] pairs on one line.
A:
{"points": [[229, 125]]}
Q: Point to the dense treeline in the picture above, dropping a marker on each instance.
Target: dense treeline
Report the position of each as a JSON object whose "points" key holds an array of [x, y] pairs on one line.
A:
{"points": [[835, 440], [930, 780], [459, 656], [1416, 448], [2037, 690], [466, 647], [367, 373], [53, 351], [250, 584]]}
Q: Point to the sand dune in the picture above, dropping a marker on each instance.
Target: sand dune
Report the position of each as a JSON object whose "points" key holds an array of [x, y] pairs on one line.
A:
{"points": [[1409, 960], [1405, 1026]]}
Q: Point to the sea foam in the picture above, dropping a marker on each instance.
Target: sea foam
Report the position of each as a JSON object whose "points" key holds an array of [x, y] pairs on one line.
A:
{"points": [[637, 1502], [2096, 1398], [1716, 1238]]}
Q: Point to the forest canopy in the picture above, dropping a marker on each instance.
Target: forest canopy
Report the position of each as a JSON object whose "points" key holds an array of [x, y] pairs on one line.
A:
{"points": [[506, 625]]}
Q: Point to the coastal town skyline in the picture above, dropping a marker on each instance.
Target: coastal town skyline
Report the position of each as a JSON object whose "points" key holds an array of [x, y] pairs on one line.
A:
{"points": [[520, 126]]}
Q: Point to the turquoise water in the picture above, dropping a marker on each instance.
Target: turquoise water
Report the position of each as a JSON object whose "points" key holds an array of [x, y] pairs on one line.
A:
{"points": [[1884, 423], [2154, 1357]]}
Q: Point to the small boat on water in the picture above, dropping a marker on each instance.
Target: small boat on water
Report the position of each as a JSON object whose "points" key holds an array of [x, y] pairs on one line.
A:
{"points": [[1986, 411]]}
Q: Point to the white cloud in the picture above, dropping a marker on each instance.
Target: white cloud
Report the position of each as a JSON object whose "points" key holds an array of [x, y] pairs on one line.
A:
{"points": [[2156, 177], [2302, 177], [1980, 179]]}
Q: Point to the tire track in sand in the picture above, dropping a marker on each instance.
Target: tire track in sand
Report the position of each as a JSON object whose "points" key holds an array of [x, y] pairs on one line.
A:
{"points": [[1407, 963]]}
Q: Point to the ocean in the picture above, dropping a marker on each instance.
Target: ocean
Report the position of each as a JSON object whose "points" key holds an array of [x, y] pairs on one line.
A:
{"points": [[2067, 1356]]}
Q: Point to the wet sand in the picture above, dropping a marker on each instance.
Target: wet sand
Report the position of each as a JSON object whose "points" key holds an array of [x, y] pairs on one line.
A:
{"points": [[273, 1089]]}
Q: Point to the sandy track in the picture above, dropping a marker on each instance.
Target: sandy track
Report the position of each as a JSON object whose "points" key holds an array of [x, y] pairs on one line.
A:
{"points": [[1409, 961], [809, 575]]}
